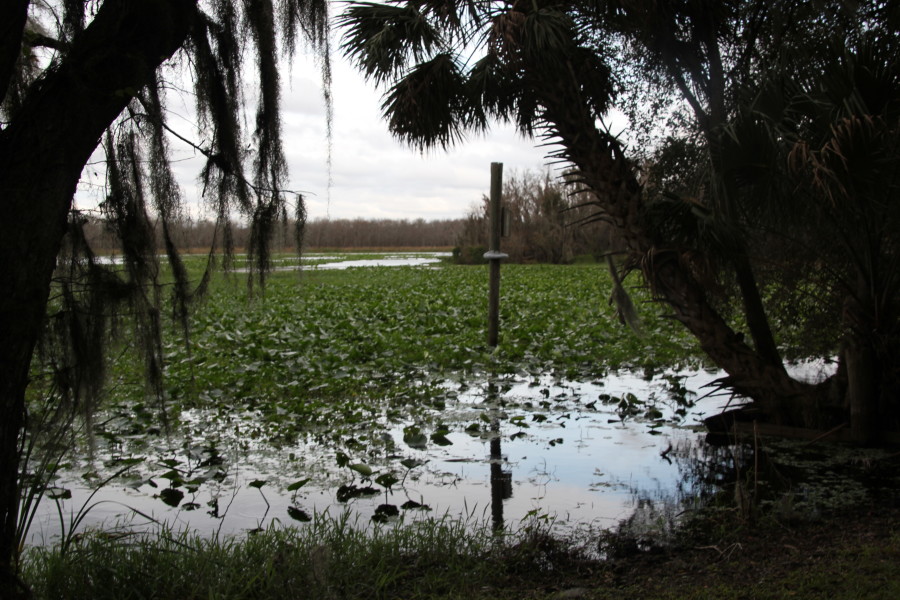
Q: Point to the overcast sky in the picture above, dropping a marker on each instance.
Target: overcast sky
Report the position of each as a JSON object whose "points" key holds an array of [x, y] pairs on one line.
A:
{"points": [[373, 176]]}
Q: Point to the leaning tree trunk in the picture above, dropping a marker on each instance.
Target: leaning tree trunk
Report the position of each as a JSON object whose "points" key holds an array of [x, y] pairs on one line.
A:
{"points": [[604, 169], [861, 361], [13, 16], [42, 153]]}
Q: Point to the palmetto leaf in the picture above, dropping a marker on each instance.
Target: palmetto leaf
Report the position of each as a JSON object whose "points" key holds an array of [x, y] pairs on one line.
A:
{"points": [[430, 105], [499, 89], [454, 64], [382, 39]]}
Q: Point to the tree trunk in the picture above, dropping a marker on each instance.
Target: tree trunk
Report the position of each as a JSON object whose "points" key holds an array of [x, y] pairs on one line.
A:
{"points": [[754, 311], [862, 389], [13, 16], [604, 169], [42, 154], [861, 360]]}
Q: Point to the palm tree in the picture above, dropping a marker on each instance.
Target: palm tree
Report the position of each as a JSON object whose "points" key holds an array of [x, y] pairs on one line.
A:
{"points": [[833, 133], [550, 67]]}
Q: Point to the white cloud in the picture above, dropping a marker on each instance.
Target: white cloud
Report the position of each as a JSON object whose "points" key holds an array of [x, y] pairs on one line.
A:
{"points": [[372, 175]]}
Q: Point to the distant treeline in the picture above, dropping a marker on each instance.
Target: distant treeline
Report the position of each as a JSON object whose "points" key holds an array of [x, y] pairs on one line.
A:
{"points": [[382, 233], [318, 233], [549, 222]]}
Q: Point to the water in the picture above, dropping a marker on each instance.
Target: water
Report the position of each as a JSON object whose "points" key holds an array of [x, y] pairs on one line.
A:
{"points": [[388, 261], [582, 454], [348, 261], [324, 261]]}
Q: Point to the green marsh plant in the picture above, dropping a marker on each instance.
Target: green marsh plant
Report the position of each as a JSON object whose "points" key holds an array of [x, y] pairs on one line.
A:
{"points": [[327, 557]]}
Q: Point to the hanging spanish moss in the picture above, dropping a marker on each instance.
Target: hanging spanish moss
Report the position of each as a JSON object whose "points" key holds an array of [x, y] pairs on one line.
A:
{"points": [[300, 216], [74, 14], [244, 179], [73, 72]]}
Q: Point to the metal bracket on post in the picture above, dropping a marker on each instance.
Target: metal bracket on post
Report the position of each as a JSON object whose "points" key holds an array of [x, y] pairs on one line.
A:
{"points": [[493, 255]]}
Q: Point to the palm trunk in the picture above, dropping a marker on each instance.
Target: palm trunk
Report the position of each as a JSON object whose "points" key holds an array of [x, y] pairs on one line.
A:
{"points": [[861, 361], [862, 389], [42, 154], [754, 311], [605, 170]]}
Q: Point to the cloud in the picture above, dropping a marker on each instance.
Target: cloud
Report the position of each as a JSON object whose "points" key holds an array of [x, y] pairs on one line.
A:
{"points": [[372, 175]]}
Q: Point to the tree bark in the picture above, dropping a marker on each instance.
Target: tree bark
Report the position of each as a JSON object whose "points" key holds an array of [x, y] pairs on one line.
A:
{"points": [[862, 389], [603, 167], [42, 154], [755, 312], [13, 16], [861, 360]]}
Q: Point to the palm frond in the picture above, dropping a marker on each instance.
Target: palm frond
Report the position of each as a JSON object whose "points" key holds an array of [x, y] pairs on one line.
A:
{"points": [[625, 309], [381, 39], [460, 19], [500, 90], [430, 106]]}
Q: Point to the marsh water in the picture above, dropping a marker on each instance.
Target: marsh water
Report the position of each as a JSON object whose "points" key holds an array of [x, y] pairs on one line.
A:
{"points": [[505, 449], [508, 449], [350, 260]]}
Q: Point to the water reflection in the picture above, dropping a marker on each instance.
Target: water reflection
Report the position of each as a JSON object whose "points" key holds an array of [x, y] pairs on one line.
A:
{"points": [[380, 262], [501, 480], [574, 451]]}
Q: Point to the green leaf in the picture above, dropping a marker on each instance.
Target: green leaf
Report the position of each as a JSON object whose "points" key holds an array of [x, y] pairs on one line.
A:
{"points": [[414, 438], [363, 469], [257, 483], [298, 484], [174, 477], [384, 512], [171, 496], [411, 463], [298, 514], [386, 480], [440, 439], [57, 493]]}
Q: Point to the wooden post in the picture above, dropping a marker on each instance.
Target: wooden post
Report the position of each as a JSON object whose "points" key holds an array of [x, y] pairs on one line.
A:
{"points": [[493, 254]]}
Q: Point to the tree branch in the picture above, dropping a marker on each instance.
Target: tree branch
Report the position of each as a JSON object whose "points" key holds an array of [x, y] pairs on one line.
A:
{"points": [[13, 15], [36, 40]]}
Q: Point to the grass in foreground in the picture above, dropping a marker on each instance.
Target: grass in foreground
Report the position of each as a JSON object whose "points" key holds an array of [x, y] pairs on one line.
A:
{"points": [[329, 558], [848, 555]]}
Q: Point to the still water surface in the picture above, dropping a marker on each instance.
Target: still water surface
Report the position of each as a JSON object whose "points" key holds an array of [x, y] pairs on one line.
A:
{"points": [[543, 448], [579, 454]]}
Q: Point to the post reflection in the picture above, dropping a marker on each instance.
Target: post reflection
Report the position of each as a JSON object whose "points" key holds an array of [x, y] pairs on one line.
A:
{"points": [[501, 480]]}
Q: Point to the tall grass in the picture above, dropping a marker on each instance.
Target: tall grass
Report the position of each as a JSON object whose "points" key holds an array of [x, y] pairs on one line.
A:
{"points": [[331, 557]]}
